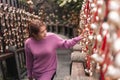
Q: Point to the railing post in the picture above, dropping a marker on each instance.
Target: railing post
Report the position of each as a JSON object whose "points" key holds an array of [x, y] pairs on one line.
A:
{"points": [[2, 71], [17, 53], [17, 65]]}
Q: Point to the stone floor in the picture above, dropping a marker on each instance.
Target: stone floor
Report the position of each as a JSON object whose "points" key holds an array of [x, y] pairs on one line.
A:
{"points": [[63, 68], [63, 64]]}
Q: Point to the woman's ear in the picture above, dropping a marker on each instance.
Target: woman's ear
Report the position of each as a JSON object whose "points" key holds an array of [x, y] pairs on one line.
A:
{"points": [[35, 36]]}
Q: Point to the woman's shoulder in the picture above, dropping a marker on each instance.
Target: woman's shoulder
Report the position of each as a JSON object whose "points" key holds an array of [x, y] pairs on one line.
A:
{"points": [[28, 40], [51, 34]]}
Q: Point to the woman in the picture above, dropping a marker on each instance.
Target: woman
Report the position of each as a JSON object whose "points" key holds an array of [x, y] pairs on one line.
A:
{"points": [[40, 50]]}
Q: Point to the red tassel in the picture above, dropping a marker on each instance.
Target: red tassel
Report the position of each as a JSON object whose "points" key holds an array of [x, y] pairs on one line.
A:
{"points": [[104, 43], [118, 33], [107, 10], [86, 47], [101, 74], [95, 45], [106, 59], [88, 9], [100, 31], [95, 14], [88, 62], [107, 64]]}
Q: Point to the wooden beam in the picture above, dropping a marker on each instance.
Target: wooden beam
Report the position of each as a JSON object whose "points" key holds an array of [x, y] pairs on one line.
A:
{"points": [[5, 56]]}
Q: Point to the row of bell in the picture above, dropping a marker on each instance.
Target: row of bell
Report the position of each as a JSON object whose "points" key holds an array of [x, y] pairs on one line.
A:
{"points": [[13, 23], [100, 20]]}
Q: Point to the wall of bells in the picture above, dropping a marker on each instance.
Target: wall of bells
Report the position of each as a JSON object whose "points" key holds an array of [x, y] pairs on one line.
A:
{"points": [[13, 24], [100, 22]]}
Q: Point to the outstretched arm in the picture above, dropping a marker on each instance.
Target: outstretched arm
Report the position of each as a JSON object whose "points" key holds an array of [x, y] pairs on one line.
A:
{"points": [[67, 43]]}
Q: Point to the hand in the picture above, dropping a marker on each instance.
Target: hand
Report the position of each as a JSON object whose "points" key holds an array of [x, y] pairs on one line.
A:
{"points": [[82, 35]]}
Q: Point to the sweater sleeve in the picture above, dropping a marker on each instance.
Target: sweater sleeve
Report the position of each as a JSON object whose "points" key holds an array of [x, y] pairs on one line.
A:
{"points": [[62, 43], [29, 60]]}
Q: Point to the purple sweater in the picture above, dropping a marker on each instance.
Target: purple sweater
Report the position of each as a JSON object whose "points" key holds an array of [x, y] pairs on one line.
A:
{"points": [[41, 55]]}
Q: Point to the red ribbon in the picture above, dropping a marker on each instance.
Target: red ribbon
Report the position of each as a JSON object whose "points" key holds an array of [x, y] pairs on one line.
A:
{"points": [[118, 33], [88, 62], [95, 14], [87, 9], [107, 10], [104, 42], [95, 45], [101, 74], [100, 31]]}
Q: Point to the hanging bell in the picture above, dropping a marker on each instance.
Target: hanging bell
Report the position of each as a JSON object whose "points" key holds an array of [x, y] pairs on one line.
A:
{"points": [[6, 7], [117, 60], [116, 45], [114, 18], [1, 6], [113, 72], [113, 5], [96, 57]]}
